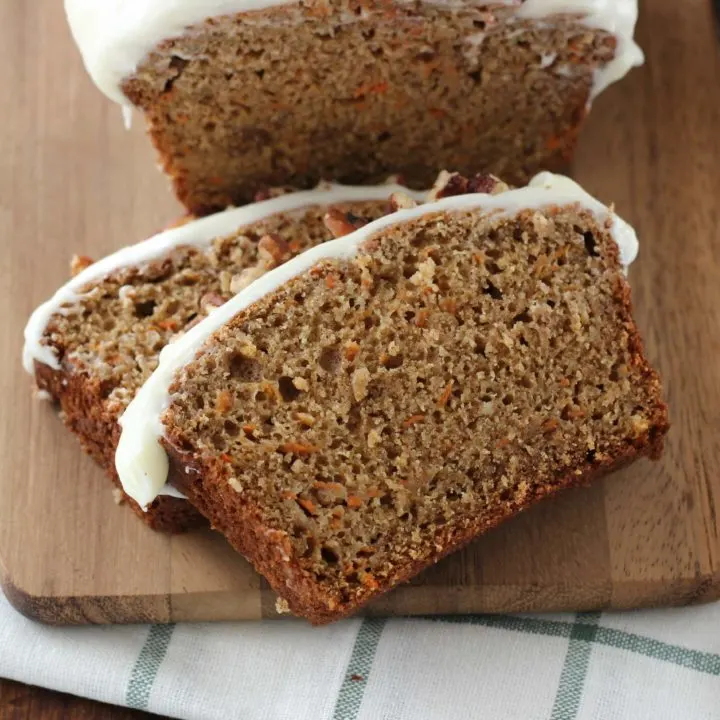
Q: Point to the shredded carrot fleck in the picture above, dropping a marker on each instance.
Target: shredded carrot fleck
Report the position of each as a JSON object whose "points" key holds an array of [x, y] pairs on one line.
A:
{"points": [[421, 318], [225, 457], [354, 501], [370, 582], [443, 399], [295, 245], [298, 448], [351, 351], [371, 89], [288, 495], [330, 281], [479, 258], [503, 442], [373, 493], [413, 420], [553, 142], [223, 402], [168, 324], [564, 382], [449, 305], [334, 486], [309, 505]]}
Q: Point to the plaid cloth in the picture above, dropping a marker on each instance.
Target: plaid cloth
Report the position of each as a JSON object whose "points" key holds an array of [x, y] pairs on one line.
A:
{"points": [[655, 664]]}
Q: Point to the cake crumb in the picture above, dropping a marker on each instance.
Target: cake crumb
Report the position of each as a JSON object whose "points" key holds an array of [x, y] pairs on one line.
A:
{"points": [[301, 384], [281, 606], [234, 483], [360, 381]]}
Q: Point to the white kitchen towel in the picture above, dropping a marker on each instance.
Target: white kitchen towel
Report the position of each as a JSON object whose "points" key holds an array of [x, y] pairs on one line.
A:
{"points": [[660, 665]]}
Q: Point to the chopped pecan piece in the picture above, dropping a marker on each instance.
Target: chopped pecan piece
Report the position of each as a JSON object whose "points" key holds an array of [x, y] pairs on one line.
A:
{"points": [[79, 263], [273, 248], [211, 300], [451, 184], [340, 223], [401, 201]]}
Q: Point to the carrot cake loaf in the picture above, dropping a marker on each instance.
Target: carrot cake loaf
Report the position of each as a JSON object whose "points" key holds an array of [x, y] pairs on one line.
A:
{"points": [[93, 344], [242, 94], [382, 399]]}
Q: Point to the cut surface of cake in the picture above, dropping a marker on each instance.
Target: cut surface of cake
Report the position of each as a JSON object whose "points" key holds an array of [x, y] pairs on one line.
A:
{"points": [[94, 343], [381, 400], [239, 94]]}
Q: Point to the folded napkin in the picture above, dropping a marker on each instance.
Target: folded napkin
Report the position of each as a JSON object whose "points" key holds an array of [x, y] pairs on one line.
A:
{"points": [[654, 664]]}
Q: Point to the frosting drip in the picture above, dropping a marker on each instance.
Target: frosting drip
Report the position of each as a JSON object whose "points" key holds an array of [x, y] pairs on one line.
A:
{"points": [[141, 461], [114, 36]]}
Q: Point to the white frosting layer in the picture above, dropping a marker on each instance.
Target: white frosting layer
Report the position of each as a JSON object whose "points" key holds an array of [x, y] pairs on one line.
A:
{"points": [[141, 461], [198, 233], [114, 36]]}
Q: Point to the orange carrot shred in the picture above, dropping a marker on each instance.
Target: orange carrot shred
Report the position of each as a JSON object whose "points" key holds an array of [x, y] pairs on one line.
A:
{"points": [[412, 420], [309, 505], [443, 399], [298, 448]]}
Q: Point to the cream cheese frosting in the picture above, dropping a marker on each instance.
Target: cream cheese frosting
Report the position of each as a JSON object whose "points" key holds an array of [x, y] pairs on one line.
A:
{"points": [[115, 36], [199, 233], [140, 459]]}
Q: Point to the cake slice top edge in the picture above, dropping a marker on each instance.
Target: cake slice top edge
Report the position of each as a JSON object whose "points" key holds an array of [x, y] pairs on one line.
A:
{"points": [[196, 233], [142, 462], [115, 37]]}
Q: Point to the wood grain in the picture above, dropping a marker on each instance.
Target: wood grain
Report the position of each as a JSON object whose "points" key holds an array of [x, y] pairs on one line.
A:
{"points": [[72, 180]]}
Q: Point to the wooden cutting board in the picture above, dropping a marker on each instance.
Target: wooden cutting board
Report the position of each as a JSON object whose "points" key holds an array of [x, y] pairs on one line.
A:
{"points": [[73, 180]]}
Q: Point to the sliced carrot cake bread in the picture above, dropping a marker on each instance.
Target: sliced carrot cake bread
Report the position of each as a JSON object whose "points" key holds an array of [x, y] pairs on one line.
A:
{"points": [[94, 343], [382, 399], [240, 94]]}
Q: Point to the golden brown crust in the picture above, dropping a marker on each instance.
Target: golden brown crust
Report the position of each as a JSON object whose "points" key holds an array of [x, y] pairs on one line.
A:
{"points": [[208, 491]]}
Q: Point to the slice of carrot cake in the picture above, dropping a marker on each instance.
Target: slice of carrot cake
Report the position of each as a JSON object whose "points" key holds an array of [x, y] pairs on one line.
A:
{"points": [[94, 343], [239, 94], [382, 399]]}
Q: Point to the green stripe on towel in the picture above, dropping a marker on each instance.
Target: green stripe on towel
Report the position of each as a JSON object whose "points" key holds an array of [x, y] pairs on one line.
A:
{"points": [[358, 669], [677, 655], [147, 665], [574, 672]]}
